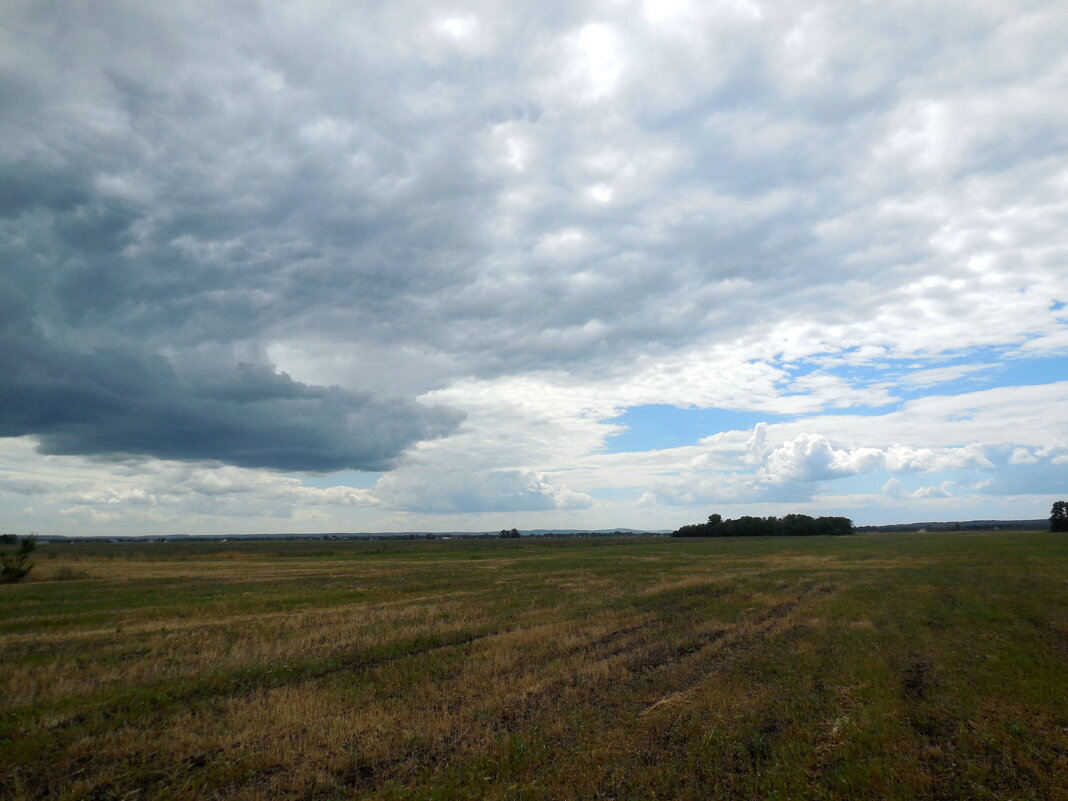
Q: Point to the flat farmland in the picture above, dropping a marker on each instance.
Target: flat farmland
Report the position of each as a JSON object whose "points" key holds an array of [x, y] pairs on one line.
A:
{"points": [[871, 666]]}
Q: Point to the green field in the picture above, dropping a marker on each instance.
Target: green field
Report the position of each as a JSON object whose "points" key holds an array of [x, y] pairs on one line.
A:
{"points": [[929, 666]]}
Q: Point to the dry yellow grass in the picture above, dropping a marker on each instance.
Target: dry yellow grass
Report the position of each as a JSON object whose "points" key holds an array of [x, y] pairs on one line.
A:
{"points": [[555, 670]]}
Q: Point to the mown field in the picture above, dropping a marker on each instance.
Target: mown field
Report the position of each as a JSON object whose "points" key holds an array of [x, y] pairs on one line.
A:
{"points": [[914, 666]]}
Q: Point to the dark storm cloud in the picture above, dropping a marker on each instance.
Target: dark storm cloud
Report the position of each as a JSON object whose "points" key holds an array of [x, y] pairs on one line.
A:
{"points": [[156, 201], [121, 403]]}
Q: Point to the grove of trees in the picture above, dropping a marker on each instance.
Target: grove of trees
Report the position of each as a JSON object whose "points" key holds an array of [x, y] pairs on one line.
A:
{"points": [[792, 525]]}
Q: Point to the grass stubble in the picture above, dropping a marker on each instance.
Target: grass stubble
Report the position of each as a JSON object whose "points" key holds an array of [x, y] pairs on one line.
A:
{"points": [[875, 666]]}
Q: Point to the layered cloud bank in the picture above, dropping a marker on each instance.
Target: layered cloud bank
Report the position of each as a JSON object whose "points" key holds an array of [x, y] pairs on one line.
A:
{"points": [[409, 267], [116, 402]]}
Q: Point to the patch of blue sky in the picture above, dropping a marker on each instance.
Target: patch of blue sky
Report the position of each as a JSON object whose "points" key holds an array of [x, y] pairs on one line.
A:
{"points": [[657, 426], [992, 370], [348, 478], [1047, 370], [1043, 478], [951, 374], [800, 368], [864, 410]]}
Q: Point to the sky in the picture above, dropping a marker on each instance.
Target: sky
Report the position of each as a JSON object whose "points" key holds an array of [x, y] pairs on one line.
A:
{"points": [[321, 267]]}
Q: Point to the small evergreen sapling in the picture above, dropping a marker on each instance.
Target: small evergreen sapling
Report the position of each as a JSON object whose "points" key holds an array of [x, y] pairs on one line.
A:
{"points": [[14, 566]]}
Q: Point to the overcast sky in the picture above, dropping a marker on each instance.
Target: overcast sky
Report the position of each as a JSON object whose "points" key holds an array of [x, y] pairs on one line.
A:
{"points": [[322, 266]]}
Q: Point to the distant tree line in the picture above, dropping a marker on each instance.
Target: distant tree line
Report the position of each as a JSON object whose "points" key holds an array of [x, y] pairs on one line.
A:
{"points": [[788, 526]]}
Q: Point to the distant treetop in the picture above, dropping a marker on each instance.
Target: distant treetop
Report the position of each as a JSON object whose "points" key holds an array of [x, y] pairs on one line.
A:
{"points": [[1058, 516]]}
